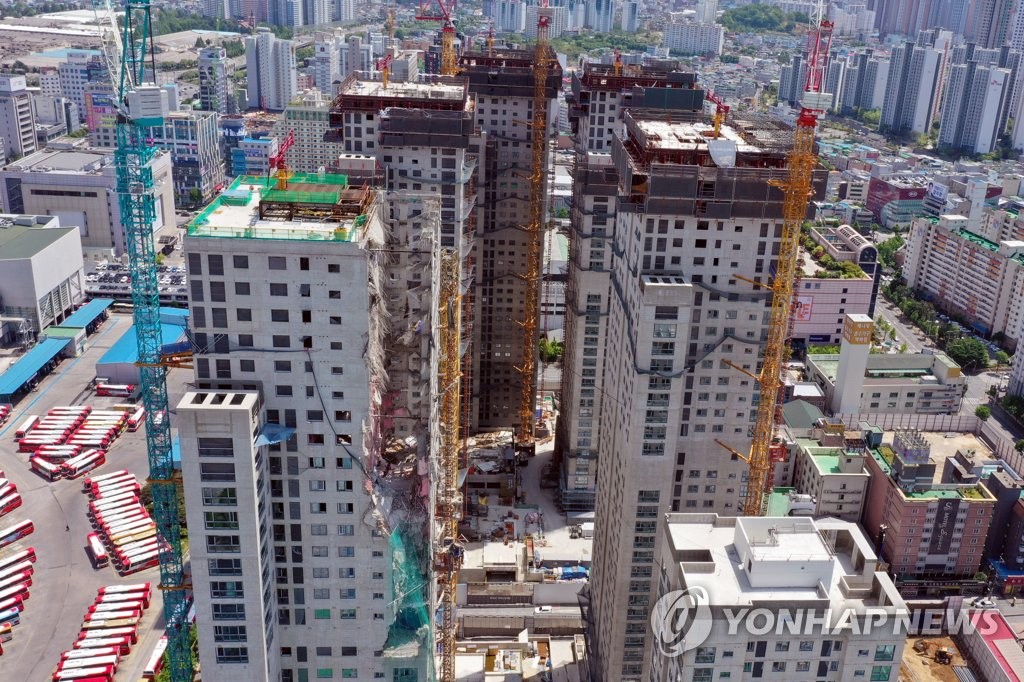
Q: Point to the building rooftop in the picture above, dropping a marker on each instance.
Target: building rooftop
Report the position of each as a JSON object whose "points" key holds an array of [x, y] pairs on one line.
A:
{"points": [[312, 207], [888, 366], [746, 561], [360, 87], [682, 136], [77, 161], [23, 236]]}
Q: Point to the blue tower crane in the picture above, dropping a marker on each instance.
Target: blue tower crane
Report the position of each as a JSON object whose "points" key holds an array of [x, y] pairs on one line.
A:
{"points": [[139, 111]]}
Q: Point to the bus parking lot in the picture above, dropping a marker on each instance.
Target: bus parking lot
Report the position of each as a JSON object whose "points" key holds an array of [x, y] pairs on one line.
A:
{"points": [[65, 583]]}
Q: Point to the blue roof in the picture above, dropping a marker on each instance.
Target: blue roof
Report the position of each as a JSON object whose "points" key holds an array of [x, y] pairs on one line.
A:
{"points": [[174, 315], [126, 348], [29, 365], [85, 315]]}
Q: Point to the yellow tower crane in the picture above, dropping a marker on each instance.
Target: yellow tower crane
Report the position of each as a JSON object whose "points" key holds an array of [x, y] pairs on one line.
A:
{"points": [[535, 230], [447, 559], [449, 59], [797, 190]]}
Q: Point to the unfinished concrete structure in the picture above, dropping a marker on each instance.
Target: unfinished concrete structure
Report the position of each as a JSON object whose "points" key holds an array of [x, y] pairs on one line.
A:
{"points": [[596, 106], [692, 218], [502, 85]]}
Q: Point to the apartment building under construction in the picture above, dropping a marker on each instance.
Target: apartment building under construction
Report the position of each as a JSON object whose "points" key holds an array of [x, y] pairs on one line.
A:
{"points": [[696, 221]]}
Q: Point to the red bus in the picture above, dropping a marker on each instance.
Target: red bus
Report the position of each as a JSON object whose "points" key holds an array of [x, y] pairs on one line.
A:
{"points": [[15, 569], [141, 597], [104, 673], [47, 470], [128, 526], [116, 390], [73, 468], [100, 558], [74, 654], [156, 659], [120, 589], [23, 578], [91, 481], [16, 532], [9, 502], [113, 615], [26, 426], [137, 419], [30, 445], [12, 603], [118, 499], [104, 520], [132, 633], [139, 563], [23, 555], [11, 592], [10, 616], [111, 488], [123, 644], [52, 452], [117, 607], [135, 550], [6, 633]]}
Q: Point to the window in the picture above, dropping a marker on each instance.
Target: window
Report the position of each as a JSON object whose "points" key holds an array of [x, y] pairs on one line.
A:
{"points": [[779, 667], [243, 314], [278, 289], [885, 652], [217, 293], [216, 447], [216, 471], [277, 263], [229, 611], [342, 416], [240, 262], [315, 438], [220, 497], [229, 633], [232, 654], [350, 673], [880, 673], [347, 614], [807, 645], [227, 590], [224, 566], [281, 341], [803, 666], [322, 614], [782, 646], [278, 315], [223, 544], [283, 391], [346, 529], [314, 415], [221, 520]]}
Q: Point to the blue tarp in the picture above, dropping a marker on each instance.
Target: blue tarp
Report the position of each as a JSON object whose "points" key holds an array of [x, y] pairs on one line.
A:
{"points": [[85, 315], [29, 365], [126, 349], [273, 433]]}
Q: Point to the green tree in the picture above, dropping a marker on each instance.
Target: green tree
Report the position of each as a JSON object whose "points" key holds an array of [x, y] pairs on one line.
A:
{"points": [[887, 251], [1002, 357], [195, 195], [871, 117], [1019, 445], [983, 412], [550, 351], [971, 354]]}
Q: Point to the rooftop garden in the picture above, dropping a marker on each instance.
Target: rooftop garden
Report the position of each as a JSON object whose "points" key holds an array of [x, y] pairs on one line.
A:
{"points": [[830, 267]]}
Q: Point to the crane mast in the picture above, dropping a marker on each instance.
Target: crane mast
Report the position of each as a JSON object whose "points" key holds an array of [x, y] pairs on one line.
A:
{"points": [[797, 189], [535, 231], [449, 60], [448, 501], [132, 63]]}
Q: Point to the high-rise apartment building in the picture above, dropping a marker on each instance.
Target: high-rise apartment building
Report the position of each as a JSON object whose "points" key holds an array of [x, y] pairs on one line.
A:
{"points": [[629, 21], [693, 214], [693, 38], [707, 11], [343, 10], [974, 100], [596, 107], [356, 55], [190, 137], [214, 84], [17, 126], [865, 82], [296, 515], [271, 77], [499, 250], [791, 80], [307, 118], [509, 16], [913, 88], [327, 62], [988, 22], [82, 68], [600, 15]]}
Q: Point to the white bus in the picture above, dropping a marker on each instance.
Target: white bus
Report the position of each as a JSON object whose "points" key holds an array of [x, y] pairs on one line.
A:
{"points": [[156, 659], [100, 558], [91, 480], [73, 468]]}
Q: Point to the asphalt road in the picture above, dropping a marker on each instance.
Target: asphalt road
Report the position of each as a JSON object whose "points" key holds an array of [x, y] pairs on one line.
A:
{"points": [[65, 582], [906, 332]]}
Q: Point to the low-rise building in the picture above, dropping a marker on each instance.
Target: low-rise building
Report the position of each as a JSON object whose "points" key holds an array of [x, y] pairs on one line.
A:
{"points": [[897, 198], [527, 657], [830, 468], [822, 298], [78, 184], [967, 274], [251, 155], [926, 528], [749, 565], [41, 274], [894, 383]]}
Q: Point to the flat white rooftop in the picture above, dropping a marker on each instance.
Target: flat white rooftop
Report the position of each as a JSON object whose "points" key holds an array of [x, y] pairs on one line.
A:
{"points": [[412, 90], [672, 135]]}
